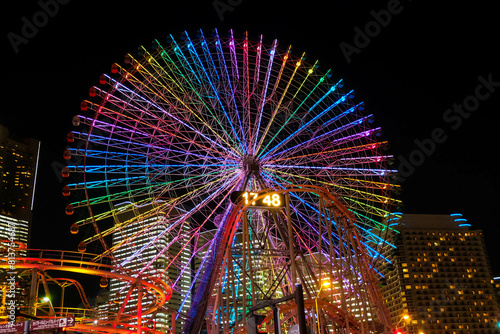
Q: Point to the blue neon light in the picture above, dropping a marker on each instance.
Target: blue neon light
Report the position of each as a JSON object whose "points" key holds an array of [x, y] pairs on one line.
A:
{"points": [[333, 105], [264, 94], [222, 59]]}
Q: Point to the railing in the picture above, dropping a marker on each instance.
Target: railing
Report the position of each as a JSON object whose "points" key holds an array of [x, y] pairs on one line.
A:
{"points": [[156, 292]]}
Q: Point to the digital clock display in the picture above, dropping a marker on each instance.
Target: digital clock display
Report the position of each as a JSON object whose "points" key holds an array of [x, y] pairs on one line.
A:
{"points": [[258, 199]]}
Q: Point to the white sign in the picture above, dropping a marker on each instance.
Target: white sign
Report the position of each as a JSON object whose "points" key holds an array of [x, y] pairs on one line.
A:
{"points": [[37, 325], [12, 327]]}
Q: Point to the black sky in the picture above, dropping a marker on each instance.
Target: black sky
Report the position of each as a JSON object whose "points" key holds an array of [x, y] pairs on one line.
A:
{"points": [[426, 59]]}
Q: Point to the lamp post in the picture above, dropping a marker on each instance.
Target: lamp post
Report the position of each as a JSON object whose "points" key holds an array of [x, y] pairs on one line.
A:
{"points": [[405, 317], [316, 301], [47, 300]]}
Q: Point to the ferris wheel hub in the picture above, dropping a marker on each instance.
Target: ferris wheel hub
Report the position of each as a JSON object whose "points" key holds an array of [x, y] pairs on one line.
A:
{"points": [[251, 165]]}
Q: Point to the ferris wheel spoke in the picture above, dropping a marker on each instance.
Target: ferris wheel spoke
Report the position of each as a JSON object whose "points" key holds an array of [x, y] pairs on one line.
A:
{"points": [[328, 155], [292, 76], [136, 148], [105, 199], [148, 189], [146, 183], [114, 156], [374, 237], [339, 171], [109, 183], [371, 184], [145, 88], [186, 216], [212, 187], [118, 227], [188, 68], [371, 222], [254, 91], [177, 136], [279, 104], [352, 203], [324, 138], [355, 193], [294, 114], [184, 122], [235, 94], [263, 97], [211, 68], [307, 219], [245, 92], [357, 205], [340, 157], [204, 82], [127, 136], [226, 78]]}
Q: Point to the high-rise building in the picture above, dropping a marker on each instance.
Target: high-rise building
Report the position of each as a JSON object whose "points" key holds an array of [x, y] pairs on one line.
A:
{"points": [[344, 289], [439, 279], [496, 284], [18, 168], [166, 258]]}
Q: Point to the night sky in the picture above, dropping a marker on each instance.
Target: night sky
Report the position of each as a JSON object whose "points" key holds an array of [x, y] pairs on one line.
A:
{"points": [[429, 73]]}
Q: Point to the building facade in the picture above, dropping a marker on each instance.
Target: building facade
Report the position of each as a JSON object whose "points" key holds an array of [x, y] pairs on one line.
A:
{"points": [[167, 258], [18, 168], [439, 279]]}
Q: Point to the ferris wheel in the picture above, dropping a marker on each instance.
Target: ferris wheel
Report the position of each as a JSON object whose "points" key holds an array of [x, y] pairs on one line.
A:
{"points": [[172, 133]]}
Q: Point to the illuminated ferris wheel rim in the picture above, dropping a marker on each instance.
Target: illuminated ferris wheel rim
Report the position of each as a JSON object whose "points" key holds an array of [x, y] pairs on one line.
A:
{"points": [[180, 112], [166, 138]]}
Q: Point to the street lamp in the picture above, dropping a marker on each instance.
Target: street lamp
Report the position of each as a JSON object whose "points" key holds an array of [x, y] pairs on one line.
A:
{"points": [[47, 300], [326, 284], [405, 317]]}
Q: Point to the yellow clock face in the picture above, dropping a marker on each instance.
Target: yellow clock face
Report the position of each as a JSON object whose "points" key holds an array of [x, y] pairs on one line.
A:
{"points": [[257, 199]]}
